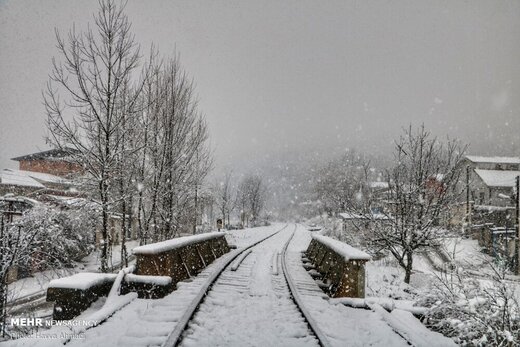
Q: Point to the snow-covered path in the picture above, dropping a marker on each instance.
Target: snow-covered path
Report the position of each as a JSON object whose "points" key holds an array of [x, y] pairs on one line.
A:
{"points": [[251, 306]]}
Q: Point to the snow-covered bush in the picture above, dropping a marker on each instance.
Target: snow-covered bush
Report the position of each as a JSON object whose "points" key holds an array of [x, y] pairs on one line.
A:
{"points": [[476, 312], [61, 236], [43, 238]]}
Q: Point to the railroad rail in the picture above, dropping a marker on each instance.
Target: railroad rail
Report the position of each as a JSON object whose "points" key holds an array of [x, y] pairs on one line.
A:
{"points": [[177, 335], [323, 340]]}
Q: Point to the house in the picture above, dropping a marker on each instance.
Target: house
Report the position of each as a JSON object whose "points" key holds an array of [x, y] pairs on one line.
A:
{"points": [[58, 162], [12, 182], [378, 193], [491, 179], [378, 186], [29, 183], [115, 225], [493, 187], [46, 172], [490, 186]]}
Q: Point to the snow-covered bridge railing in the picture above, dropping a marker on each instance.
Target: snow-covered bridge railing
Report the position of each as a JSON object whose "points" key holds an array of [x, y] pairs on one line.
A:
{"points": [[180, 258], [339, 267], [160, 266], [74, 294]]}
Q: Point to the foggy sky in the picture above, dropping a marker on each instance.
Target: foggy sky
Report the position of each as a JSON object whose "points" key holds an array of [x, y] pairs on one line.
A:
{"points": [[298, 75]]}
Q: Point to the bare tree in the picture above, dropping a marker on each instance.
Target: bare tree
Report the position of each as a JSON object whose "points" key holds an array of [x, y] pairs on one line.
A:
{"points": [[175, 158], [95, 74], [422, 188], [342, 183], [127, 157], [252, 197], [224, 197]]}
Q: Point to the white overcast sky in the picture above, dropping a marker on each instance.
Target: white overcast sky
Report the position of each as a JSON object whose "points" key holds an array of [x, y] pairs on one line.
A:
{"points": [[297, 75]]}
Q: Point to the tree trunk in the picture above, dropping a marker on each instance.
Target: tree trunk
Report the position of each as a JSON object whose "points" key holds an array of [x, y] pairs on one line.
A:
{"points": [[3, 301], [408, 267], [104, 231], [124, 258]]}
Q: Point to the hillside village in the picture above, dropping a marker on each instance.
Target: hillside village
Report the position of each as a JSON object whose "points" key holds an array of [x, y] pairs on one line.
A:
{"points": [[53, 179], [486, 207]]}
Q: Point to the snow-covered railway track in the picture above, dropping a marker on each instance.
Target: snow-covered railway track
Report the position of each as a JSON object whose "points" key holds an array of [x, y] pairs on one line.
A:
{"points": [[269, 299], [296, 288], [176, 335], [251, 304], [144, 322]]}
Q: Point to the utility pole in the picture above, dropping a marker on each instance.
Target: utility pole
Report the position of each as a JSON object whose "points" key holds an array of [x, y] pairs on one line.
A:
{"points": [[468, 200], [517, 241]]}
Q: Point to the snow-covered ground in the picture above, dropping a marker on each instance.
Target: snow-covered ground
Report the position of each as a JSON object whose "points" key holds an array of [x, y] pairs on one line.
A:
{"points": [[143, 322], [253, 306], [465, 252], [38, 282]]}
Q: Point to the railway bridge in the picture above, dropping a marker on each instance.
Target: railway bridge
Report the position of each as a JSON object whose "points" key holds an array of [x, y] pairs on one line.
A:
{"points": [[277, 287]]}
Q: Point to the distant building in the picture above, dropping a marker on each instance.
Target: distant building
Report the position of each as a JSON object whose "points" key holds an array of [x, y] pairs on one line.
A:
{"points": [[493, 187], [378, 186], [56, 162], [29, 183], [352, 221], [46, 172], [492, 163], [492, 179]]}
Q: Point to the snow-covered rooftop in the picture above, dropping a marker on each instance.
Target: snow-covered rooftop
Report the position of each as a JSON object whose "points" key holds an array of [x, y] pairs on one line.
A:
{"points": [[29, 178], [346, 251], [159, 247], [505, 231], [52, 154], [498, 178], [497, 160], [17, 178], [378, 184], [42, 177], [491, 208], [437, 177], [12, 198], [350, 215]]}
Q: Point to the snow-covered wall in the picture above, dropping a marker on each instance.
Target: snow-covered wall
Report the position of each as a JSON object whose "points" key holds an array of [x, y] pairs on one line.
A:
{"points": [[340, 266]]}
